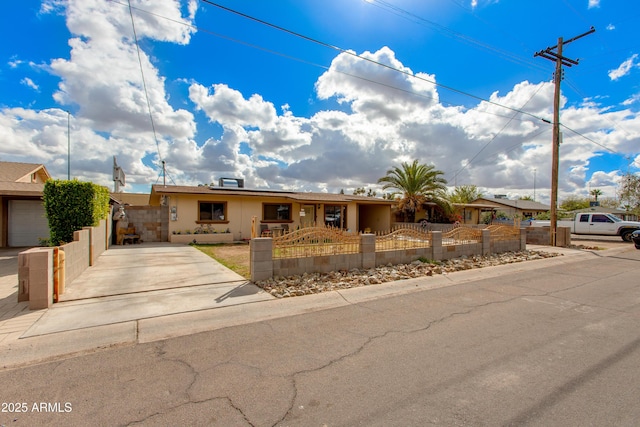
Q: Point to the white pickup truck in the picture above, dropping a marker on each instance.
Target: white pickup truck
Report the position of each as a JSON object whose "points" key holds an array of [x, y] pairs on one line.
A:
{"points": [[599, 224]]}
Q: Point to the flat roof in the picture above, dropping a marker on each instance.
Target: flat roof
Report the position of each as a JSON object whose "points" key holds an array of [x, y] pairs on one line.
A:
{"points": [[245, 192]]}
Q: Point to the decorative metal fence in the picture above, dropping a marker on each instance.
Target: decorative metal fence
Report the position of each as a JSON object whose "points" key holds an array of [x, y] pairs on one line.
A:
{"points": [[403, 238], [461, 235], [315, 241], [320, 249], [503, 232]]}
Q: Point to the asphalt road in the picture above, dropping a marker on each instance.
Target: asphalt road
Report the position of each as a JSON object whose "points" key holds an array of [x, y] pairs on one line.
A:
{"points": [[559, 346]]}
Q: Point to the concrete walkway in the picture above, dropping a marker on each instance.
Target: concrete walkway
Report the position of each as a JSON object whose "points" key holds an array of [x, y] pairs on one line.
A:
{"points": [[127, 284], [144, 281], [15, 317], [148, 292]]}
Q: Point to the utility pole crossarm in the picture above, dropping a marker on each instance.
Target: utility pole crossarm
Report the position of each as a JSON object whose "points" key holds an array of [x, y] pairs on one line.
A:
{"points": [[547, 54]]}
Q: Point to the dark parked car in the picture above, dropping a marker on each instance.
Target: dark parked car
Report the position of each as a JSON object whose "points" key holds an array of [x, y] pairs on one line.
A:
{"points": [[635, 236]]}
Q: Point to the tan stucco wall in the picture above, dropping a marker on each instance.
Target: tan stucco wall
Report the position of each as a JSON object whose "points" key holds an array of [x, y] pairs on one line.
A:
{"points": [[239, 213], [375, 218], [240, 210], [3, 222]]}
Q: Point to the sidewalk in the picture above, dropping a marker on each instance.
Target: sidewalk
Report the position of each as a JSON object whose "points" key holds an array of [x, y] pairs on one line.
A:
{"points": [[188, 295], [15, 317]]}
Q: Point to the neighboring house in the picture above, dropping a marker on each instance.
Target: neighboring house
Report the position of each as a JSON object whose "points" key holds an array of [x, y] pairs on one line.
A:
{"points": [[233, 208], [22, 217], [472, 213], [523, 208]]}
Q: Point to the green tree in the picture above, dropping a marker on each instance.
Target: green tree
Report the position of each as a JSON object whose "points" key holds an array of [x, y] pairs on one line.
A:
{"points": [[361, 191], [529, 198], [464, 194], [610, 202], [573, 203], [629, 191], [416, 184]]}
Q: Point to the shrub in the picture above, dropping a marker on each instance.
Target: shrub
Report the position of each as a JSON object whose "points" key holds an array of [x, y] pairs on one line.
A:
{"points": [[72, 205]]}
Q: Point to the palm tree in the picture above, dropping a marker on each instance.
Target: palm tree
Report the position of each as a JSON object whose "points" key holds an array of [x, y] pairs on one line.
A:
{"points": [[595, 193], [417, 185]]}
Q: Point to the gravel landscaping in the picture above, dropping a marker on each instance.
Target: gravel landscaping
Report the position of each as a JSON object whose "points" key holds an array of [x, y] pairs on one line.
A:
{"points": [[290, 286]]}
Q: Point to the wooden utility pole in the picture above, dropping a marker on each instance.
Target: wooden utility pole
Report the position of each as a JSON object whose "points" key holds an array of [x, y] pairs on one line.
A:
{"points": [[555, 54]]}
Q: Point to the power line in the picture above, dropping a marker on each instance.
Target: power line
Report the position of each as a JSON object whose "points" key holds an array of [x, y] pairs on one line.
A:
{"points": [[144, 83], [351, 53], [413, 17], [495, 136], [398, 11], [355, 55], [324, 67]]}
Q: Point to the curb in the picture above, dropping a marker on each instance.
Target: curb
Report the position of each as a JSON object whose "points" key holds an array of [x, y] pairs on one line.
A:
{"points": [[61, 345]]}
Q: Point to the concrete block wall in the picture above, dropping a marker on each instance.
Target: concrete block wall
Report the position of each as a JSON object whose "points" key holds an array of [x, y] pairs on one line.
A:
{"points": [[261, 258], [563, 237], [263, 266], [77, 255], [402, 256], [456, 251], [35, 277], [151, 222], [98, 238], [486, 242], [320, 264], [367, 251], [542, 236]]}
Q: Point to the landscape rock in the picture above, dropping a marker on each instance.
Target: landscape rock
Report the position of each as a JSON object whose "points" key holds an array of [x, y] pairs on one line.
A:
{"points": [[313, 283]]}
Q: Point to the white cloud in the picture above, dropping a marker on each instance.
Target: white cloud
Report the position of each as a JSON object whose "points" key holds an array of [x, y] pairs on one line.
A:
{"points": [[29, 83], [378, 91], [102, 78], [624, 68], [228, 107], [593, 4], [632, 99], [385, 117]]}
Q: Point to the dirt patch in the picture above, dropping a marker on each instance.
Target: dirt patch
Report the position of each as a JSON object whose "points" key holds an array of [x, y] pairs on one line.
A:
{"points": [[233, 256], [598, 242]]}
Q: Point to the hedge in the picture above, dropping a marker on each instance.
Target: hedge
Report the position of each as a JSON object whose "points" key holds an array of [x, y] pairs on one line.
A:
{"points": [[72, 205]]}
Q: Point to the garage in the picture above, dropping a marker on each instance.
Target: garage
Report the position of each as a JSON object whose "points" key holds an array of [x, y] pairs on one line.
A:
{"points": [[27, 223]]}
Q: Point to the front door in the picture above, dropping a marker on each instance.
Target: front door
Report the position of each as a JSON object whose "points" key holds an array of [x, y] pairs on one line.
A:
{"points": [[309, 217]]}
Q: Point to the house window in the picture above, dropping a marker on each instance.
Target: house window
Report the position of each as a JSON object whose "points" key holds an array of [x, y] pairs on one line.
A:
{"points": [[212, 212], [276, 212], [334, 216]]}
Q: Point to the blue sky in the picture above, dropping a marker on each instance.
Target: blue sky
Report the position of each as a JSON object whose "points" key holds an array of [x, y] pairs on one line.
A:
{"points": [[325, 95]]}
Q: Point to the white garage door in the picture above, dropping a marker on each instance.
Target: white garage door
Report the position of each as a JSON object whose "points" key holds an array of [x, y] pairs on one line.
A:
{"points": [[27, 223]]}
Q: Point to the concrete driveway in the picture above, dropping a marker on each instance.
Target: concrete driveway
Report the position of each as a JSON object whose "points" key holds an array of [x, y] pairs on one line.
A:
{"points": [[143, 281]]}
